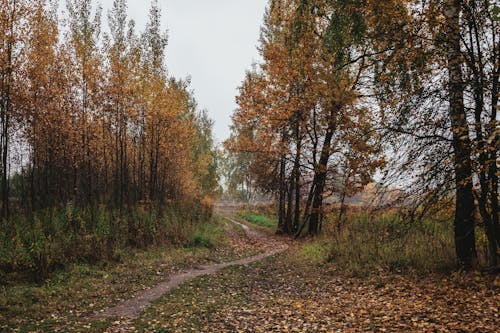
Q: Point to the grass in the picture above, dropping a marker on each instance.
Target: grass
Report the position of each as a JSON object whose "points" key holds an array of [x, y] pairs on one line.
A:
{"points": [[190, 307], [314, 252], [38, 244], [384, 240], [257, 219], [69, 295], [287, 293], [208, 235]]}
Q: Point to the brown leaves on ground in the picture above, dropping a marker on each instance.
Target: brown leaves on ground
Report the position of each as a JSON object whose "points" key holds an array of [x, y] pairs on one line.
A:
{"points": [[282, 295]]}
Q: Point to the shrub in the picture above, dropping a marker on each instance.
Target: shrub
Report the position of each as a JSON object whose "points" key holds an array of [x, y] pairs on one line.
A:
{"points": [[202, 240]]}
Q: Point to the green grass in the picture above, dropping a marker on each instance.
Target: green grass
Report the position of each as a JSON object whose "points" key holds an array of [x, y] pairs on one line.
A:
{"points": [[84, 288], [207, 236], [191, 306], [314, 252], [259, 220], [38, 244], [385, 240]]}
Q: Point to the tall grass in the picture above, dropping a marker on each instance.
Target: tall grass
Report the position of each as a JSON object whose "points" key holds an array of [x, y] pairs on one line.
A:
{"points": [[367, 241], [54, 238]]}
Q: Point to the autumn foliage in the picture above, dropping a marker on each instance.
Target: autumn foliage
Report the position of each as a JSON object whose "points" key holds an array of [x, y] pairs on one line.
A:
{"points": [[400, 92], [92, 120]]}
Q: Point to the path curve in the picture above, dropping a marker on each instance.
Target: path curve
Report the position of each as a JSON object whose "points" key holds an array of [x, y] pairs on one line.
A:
{"points": [[133, 307]]}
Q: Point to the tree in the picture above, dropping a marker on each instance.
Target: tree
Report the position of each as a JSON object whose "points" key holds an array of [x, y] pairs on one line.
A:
{"points": [[97, 121], [83, 38], [300, 109], [12, 30], [464, 211], [443, 115]]}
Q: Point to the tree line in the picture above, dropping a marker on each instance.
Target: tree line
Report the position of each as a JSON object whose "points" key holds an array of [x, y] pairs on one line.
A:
{"points": [[92, 117], [402, 91], [100, 147]]}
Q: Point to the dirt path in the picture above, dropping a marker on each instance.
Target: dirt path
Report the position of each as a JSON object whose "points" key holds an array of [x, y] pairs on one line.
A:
{"points": [[289, 293], [133, 307]]}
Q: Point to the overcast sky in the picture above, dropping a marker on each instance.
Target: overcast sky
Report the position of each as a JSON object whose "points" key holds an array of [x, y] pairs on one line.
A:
{"points": [[213, 41]]}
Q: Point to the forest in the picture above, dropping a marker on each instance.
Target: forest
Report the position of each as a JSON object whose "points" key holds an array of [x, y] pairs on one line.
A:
{"points": [[399, 94], [357, 190], [99, 143]]}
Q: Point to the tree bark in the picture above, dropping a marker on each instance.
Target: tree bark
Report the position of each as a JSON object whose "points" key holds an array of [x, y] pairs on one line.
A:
{"points": [[289, 208], [281, 206], [296, 173], [320, 179], [464, 207], [5, 113], [493, 157]]}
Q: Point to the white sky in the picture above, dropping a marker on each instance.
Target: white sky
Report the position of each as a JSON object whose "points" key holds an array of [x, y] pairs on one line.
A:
{"points": [[213, 41]]}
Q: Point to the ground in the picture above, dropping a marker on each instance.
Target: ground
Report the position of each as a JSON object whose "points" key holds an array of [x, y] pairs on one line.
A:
{"points": [[281, 294], [286, 292]]}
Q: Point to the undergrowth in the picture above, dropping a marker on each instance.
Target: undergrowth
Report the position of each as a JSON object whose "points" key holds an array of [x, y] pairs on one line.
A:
{"points": [[367, 241], [34, 246]]}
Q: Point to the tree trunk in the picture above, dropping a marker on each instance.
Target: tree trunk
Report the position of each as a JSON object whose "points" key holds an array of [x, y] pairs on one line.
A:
{"points": [[296, 174], [464, 207], [281, 206], [477, 67], [320, 179], [5, 114], [493, 157], [289, 208]]}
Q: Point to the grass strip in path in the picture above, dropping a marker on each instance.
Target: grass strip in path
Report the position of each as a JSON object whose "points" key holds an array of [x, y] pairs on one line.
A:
{"points": [[260, 220]]}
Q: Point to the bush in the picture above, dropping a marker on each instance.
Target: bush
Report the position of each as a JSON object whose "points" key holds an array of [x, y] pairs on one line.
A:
{"points": [[202, 240]]}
